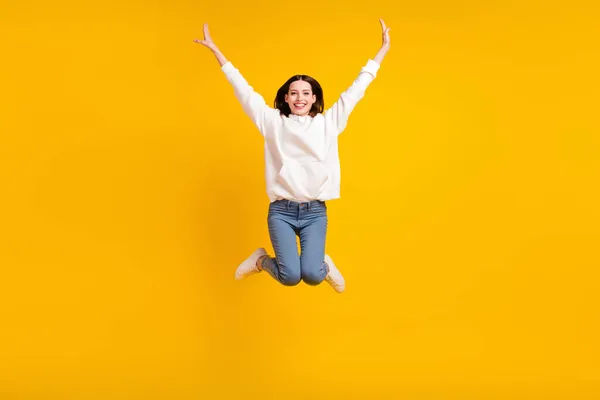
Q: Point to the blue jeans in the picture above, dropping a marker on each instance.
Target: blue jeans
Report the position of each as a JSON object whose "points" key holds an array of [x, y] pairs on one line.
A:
{"points": [[286, 220]]}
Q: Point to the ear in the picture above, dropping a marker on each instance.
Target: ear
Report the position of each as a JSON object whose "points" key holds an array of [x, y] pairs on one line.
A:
{"points": [[285, 98], [314, 98]]}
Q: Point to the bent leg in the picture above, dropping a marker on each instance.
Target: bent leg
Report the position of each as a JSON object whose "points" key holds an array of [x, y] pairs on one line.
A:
{"points": [[285, 267], [312, 243]]}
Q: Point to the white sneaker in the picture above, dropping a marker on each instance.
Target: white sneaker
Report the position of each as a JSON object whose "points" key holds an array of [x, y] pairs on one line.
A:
{"points": [[248, 267], [334, 277]]}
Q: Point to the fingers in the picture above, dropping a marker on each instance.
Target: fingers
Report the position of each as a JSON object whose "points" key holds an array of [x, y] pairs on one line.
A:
{"points": [[385, 30], [385, 33], [207, 39], [206, 32], [209, 45]]}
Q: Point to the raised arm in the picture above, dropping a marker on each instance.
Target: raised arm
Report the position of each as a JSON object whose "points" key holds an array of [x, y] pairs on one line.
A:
{"points": [[254, 104], [338, 114]]}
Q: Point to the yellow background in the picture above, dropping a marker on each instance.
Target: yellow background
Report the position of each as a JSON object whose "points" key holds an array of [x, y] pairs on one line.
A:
{"points": [[132, 186]]}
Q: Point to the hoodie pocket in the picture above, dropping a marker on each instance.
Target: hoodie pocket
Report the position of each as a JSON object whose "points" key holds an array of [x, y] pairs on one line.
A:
{"points": [[303, 180]]}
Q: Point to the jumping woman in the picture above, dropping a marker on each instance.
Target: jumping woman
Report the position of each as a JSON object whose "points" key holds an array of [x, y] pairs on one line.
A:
{"points": [[302, 167]]}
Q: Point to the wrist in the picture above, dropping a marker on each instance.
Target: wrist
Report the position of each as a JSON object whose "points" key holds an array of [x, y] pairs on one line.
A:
{"points": [[379, 57]]}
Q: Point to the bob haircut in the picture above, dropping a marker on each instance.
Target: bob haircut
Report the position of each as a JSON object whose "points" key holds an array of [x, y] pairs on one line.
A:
{"points": [[284, 108]]}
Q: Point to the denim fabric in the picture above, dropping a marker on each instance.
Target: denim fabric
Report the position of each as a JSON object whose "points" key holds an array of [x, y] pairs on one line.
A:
{"points": [[286, 220]]}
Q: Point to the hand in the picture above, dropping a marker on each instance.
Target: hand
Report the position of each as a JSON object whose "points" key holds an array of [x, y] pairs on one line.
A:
{"points": [[385, 33], [208, 42], [385, 43]]}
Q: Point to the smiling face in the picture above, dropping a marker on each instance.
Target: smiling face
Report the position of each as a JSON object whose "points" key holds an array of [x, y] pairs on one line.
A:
{"points": [[300, 97]]}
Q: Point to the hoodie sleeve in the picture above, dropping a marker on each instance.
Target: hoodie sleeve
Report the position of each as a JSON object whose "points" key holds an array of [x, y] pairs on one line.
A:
{"points": [[337, 115], [253, 103]]}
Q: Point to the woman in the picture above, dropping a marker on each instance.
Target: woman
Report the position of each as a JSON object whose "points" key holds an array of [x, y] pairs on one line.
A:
{"points": [[302, 167]]}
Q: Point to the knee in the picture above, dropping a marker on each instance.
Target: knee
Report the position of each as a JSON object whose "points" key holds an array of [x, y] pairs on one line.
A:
{"points": [[290, 279], [312, 277]]}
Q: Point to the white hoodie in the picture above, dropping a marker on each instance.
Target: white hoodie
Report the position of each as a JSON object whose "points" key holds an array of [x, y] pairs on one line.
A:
{"points": [[301, 152]]}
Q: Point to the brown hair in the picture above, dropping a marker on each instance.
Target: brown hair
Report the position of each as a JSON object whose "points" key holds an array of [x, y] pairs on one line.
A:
{"points": [[284, 107]]}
